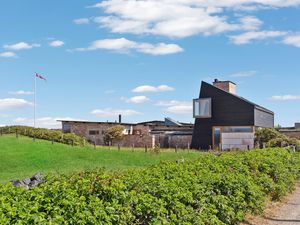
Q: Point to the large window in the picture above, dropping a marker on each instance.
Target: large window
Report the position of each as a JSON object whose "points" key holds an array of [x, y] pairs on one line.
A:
{"points": [[202, 108], [237, 129]]}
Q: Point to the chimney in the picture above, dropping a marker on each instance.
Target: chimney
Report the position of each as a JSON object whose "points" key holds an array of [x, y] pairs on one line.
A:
{"points": [[225, 85], [120, 118]]}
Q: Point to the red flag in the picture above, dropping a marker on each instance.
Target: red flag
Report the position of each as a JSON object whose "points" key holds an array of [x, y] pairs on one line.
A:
{"points": [[40, 76]]}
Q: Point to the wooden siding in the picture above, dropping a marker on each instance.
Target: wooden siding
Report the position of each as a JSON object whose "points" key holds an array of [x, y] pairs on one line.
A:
{"points": [[227, 110], [263, 119]]}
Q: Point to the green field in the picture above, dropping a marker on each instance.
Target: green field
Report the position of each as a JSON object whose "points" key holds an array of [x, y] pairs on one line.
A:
{"points": [[22, 157]]}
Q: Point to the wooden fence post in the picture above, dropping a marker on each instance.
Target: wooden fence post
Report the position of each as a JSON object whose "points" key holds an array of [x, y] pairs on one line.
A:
{"points": [[119, 147], [176, 150], [146, 148], [17, 134], [132, 147], [52, 141], [94, 145]]}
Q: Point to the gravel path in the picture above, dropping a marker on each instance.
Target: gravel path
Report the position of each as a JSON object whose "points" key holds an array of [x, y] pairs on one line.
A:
{"points": [[288, 213]]}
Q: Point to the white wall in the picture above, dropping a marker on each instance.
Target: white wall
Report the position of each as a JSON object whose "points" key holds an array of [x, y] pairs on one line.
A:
{"points": [[237, 140]]}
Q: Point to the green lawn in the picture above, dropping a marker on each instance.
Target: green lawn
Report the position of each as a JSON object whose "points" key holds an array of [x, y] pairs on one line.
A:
{"points": [[22, 158]]}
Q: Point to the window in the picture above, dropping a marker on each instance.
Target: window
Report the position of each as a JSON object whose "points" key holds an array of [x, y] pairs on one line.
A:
{"points": [[237, 130], [94, 132], [217, 137], [66, 128], [202, 108]]}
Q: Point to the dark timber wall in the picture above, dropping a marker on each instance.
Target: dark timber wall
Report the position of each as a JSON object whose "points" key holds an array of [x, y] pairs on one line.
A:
{"points": [[227, 110]]}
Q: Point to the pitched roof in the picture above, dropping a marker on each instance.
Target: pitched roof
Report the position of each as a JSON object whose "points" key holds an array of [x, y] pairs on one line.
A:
{"points": [[243, 99]]}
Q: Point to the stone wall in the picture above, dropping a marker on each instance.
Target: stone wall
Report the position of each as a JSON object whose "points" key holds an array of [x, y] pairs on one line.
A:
{"points": [[138, 135], [173, 141], [138, 141], [292, 134]]}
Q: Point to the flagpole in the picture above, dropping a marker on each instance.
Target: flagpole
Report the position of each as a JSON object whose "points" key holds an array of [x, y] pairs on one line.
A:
{"points": [[34, 119]]}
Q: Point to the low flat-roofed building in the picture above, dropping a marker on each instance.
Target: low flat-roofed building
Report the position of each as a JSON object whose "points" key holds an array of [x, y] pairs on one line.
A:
{"points": [[167, 133]]}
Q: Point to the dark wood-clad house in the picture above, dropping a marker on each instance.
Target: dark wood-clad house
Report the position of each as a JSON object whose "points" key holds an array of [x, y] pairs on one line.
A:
{"points": [[224, 120]]}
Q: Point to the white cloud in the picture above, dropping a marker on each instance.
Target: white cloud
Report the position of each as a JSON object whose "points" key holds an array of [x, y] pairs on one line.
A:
{"points": [[13, 103], [159, 49], [8, 54], [21, 46], [177, 107], [244, 74], [165, 18], [108, 112], [43, 122], [81, 21], [124, 45], [182, 18], [293, 40], [2, 125], [136, 99], [246, 38], [148, 88], [56, 43], [251, 23], [285, 97], [21, 92]]}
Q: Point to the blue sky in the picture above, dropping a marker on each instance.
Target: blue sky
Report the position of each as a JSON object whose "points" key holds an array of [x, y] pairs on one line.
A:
{"points": [[145, 59]]}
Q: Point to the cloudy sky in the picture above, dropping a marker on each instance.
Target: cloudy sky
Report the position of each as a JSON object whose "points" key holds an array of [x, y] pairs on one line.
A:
{"points": [[145, 59]]}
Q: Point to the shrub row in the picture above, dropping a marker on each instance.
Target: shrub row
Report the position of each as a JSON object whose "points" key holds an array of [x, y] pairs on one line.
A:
{"points": [[213, 190], [45, 134], [273, 138]]}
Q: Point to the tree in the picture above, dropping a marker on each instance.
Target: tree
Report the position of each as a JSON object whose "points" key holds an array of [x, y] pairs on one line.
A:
{"points": [[114, 133], [264, 135]]}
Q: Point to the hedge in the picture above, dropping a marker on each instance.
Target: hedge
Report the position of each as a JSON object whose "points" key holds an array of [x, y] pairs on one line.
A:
{"points": [[45, 134], [211, 190]]}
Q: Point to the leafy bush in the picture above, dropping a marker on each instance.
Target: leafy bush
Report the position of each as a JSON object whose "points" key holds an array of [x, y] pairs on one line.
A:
{"points": [[213, 190], [272, 138], [114, 133], [45, 134]]}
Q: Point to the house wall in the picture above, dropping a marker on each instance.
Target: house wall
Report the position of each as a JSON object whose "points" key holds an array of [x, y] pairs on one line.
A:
{"points": [[263, 119], [140, 137], [82, 129], [227, 110], [182, 141]]}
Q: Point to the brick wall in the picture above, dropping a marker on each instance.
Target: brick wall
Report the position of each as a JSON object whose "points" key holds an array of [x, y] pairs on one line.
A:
{"points": [[292, 134], [141, 135], [226, 86], [137, 140]]}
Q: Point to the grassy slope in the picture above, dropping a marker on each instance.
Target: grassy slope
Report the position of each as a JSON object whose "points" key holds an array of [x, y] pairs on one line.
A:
{"points": [[22, 157]]}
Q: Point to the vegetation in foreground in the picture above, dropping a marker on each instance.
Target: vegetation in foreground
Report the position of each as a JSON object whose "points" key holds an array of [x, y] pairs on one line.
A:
{"points": [[22, 157], [212, 190]]}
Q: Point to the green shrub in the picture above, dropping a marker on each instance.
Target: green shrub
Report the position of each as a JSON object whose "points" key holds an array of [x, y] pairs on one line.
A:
{"points": [[45, 134], [272, 138], [212, 190]]}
